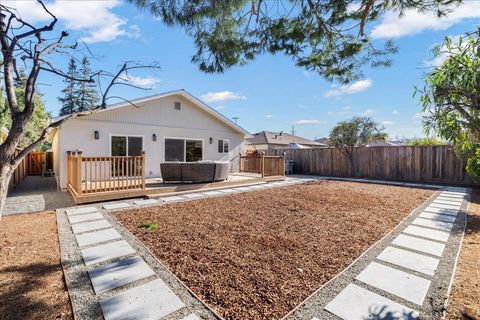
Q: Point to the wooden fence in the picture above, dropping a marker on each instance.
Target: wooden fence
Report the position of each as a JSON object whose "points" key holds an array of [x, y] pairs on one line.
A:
{"points": [[429, 164], [264, 165], [20, 172], [89, 175]]}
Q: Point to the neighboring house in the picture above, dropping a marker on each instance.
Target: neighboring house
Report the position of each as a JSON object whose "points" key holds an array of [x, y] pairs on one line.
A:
{"points": [[3, 135], [323, 140], [173, 126], [266, 140], [381, 143]]}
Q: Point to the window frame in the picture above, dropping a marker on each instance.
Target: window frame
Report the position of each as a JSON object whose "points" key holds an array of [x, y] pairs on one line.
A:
{"points": [[184, 147], [223, 146], [126, 147]]}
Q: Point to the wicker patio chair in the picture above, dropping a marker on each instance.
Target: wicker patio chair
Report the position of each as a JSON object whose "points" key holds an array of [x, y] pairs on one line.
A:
{"points": [[222, 169], [198, 172], [171, 171]]}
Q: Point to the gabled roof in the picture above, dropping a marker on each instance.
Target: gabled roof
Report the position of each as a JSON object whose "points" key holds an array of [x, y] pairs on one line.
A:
{"points": [[183, 93], [282, 138]]}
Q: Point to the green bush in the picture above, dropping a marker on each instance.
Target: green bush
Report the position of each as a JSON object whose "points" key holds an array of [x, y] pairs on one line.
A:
{"points": [[473, 165]]}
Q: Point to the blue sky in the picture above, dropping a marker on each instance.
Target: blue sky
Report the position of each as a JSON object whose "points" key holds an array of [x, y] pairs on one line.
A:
{"points": [[269, 93]]}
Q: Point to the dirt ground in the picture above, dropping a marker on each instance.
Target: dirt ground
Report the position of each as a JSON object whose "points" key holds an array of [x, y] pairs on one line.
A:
{"points": [[257, 255], [465, 297], [31, 276]]}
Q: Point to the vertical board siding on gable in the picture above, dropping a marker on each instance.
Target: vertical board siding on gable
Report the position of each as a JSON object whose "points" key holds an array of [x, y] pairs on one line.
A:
{"points": [[161, 112]]}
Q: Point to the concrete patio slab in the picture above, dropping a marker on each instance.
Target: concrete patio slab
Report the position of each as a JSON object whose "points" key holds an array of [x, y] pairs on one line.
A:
{"points": [[418, 244], [104, 252], [437, 217], [444, 206], [172, 198], [117, 205], [243, 188], [228, 191], [145, 202], [452, 196], [356, 303], [119, 273], [85, 217], [396, 282], [409, 260], [192, 316], [427, 233], [152, 300], [90, 226], [446, 200], [82, 210], [89, 238], [440, 225]]}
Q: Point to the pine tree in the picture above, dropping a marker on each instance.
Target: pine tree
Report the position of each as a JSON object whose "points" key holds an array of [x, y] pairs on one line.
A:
{"points": [[87, 95], [69, 100]]}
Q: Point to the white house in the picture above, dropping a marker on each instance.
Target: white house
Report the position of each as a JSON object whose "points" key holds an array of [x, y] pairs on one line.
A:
{"points": [[172, 126]]}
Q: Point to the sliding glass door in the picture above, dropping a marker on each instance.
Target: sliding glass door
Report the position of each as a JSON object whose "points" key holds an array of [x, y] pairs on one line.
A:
{"points": [[188, 150], [126, 146]]}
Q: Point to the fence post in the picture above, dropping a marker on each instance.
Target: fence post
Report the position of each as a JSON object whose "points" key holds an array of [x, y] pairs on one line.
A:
{"points": [[143, 170], [79, 172], [262, 164], [284, 156]]}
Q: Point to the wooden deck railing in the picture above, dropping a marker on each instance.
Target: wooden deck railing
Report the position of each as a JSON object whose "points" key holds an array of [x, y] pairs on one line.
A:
{"points": [[264, 165], [88, 175]]}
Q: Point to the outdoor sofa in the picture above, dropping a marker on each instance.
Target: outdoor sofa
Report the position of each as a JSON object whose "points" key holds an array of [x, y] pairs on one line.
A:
{"points": [[195, 172]]}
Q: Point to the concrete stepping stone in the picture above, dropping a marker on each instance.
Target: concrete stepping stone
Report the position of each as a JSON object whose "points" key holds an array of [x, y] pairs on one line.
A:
{"points": [[119, 273], [104, 252], [437, 217], [447, 200], [152, 300], [450, 203], [71, 212], [192, 316], [257, 187], [172, 198], [194, 195], [441, 225], [396, 282], [85, 217], [89, 238], [145, 202], [444, 206], [243, 188], [90, 226], [356, 303], [427, 233], [410, 260], [115, 206], [449, 212], [452, 196], [228, 191], [418, 244], [212, 193]]}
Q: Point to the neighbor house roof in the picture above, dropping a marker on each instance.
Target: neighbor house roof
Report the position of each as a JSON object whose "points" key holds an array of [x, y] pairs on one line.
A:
{"points": [[323, 140], [281, 138], [183, 93], [3, 134], [381, 143]]}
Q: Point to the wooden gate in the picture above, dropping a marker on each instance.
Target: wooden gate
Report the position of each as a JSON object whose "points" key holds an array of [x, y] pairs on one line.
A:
{"points": [[35, 163]]}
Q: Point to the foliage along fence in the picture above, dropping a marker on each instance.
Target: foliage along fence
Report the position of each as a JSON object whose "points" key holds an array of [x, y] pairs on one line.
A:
{"points": [[429, 164]]}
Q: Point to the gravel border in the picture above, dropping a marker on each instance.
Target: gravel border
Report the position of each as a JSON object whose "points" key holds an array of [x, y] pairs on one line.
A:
{"points": [[434, 305]]}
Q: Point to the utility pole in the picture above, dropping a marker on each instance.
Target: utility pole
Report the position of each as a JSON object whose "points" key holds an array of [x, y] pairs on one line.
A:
{"points": [[235, 119], [293, 132]]}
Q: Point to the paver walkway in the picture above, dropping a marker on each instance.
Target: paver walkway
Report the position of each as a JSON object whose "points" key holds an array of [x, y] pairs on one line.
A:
{"points": [[127, 282], [406, 275]]}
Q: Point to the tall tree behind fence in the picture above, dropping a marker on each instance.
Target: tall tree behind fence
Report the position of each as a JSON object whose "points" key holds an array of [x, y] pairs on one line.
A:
{"points": [[430, 164]]}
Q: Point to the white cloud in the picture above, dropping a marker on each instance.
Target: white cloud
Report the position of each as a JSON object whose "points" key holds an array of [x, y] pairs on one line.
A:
{"points": [[370, 112], [145, 82], [413, 21], [419, 115], [309, 121], [268, 116], [220, 107], [355, 87], [221, 96], [388, 123], [94, 18]]}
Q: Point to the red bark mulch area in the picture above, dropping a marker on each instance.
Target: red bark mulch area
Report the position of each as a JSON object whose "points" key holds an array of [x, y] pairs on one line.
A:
{"points": [[31, 275], [257, 255]]}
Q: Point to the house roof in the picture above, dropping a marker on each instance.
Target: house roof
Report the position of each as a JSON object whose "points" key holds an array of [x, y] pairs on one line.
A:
{"points": [[181, 92], [282, 138], [3, 134], [323, 140]]}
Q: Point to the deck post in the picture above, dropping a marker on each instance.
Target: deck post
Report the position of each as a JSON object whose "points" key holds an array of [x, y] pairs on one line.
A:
{"points": [[78, 174], [262, 164], [284, 156], [143, 170]]}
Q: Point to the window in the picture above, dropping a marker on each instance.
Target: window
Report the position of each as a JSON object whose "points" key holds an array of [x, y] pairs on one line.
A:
{"points": [[178, 105], [183, 150], [126, 146], [223, 146]]}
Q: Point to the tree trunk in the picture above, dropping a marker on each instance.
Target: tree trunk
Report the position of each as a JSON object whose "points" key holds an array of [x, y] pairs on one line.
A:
{"points": [[6, 172]]}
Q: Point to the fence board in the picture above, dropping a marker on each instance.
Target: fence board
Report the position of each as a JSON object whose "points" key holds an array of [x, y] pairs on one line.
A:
{"points": [[429, 164]]}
